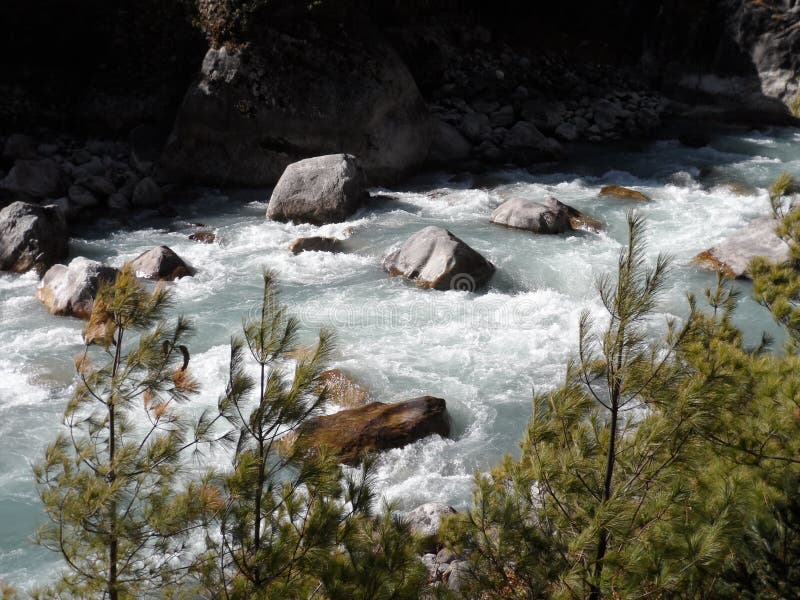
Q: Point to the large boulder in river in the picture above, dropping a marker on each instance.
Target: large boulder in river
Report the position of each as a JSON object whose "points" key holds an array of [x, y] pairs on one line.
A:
{"points": [[258, 107], [34, 180], [377, 426], [319, 190], [31, 237], [315, 243], [70, 290], [733, 255], [162, 264], [550, 216], [435, 258]]}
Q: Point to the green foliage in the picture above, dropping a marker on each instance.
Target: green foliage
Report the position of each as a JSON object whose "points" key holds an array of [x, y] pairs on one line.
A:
{"points": [[290, 523], [109, 484]]}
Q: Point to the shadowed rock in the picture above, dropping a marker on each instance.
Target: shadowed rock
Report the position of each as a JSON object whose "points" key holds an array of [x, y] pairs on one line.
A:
{"points": [[377, 426], [435, 258], [34, 180], [161, 263], [733, 255], [31, 237], [319, 190], [70, 290]]}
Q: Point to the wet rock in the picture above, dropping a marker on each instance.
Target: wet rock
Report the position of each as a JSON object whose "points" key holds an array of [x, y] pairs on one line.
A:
{"points": [[343, 390], [161, 263], [377, 426], [146, 194], [19, 146], [733, 255], [34, 179], [315, 244], [323, 189], [70, 290], [550, 216], [617, 191], [31, 237], [435, 258], [203, 237]]}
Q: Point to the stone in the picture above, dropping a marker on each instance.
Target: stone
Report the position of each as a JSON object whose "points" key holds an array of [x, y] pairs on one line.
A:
{"points": [[97, 184], [567, 132], [203, 237], [525, 143], [70, 290], [118, 202], [448, 144], [162, 264], [550, 216], [445, 556], [694, 139], [435, 258], [81, 198], [34, 179], [376, 426], [426, 519], [256, 108], [343, 390], [315, 244], [18, 146], [475, 126], [733, 255], [503, 117], [319, 190], [146, 194], [544, 115], [456, 575], [31, 237], [617, 191], [145, 144]]}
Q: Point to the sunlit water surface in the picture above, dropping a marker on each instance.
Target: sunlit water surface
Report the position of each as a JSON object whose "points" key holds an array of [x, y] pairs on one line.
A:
{"points": [[483, 352]]}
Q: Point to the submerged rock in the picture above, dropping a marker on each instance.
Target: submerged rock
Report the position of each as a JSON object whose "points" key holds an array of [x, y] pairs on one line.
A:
{"points": [[203, 237], [377, 426], [617, 191], [733, 255], [435, 258], [31, 237], [319, 190], [315, 244], [70, 290], [161, 263], [550, 216]]}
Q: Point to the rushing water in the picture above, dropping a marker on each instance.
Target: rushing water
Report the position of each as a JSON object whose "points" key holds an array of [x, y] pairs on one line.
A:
{"points": [[483, 352]]}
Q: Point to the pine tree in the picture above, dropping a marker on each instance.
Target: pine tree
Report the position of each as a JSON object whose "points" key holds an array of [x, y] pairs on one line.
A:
{"points": [[293, 525], [111, 484], [615, 494]]}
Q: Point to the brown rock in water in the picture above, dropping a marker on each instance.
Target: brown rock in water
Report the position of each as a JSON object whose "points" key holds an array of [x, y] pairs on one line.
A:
{"points": [[549, 216], [161, 263], [203, 237], [343, 390], [623, 193], [315, 244], [732, 256], [377, 426]]}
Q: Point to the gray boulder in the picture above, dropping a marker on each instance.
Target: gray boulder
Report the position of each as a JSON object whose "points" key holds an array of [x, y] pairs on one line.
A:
{"points": [[550, 216], [426, 519], [31, 237], [162, 264], [146, 194], [435, 258], [323, 189], [256, 109], [34, 179], [733, 255], [70, 290]]}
